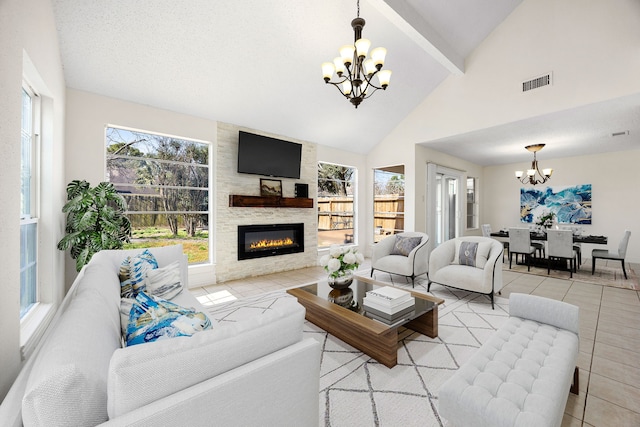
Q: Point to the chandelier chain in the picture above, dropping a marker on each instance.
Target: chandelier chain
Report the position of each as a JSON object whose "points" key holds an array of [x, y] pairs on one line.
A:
{"points": [[358, 3]]}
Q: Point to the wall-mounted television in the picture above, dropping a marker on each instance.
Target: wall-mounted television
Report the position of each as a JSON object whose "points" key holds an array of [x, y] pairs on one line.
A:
{"points": [[262, 155]]}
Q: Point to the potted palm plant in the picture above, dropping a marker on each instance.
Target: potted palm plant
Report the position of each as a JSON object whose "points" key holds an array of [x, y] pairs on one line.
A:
{"points": [[95, 220]]}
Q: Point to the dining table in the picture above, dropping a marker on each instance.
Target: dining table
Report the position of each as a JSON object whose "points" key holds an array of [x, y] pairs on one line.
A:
{"points": [[577, 238], [542, 236]]}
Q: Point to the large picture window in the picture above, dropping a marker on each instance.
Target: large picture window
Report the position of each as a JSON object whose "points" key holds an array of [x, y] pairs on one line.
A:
{"points": [[336, 195], [165, 181]]}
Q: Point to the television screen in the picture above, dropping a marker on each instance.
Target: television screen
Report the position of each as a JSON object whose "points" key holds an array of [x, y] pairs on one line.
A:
{"points": [[262, 155]]}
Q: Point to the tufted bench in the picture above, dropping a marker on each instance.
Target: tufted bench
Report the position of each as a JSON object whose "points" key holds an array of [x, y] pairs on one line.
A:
{"points": [[522, 375]]}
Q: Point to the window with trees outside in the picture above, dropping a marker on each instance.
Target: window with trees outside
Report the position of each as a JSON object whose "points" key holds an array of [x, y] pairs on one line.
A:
{"points": [[388, 201], [336, 197], [165, 181], [472, 203], [29, 201]]}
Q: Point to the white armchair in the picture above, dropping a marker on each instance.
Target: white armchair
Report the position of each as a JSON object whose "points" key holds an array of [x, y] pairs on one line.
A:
{"points": [[477, 271], [397, 255]]}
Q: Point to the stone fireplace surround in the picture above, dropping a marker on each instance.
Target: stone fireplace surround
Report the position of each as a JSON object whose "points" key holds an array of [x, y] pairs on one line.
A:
{"points": [[227, 219]]}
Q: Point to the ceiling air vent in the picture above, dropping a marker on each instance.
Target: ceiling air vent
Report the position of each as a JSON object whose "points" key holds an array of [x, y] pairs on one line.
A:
{"points": [[537, 82], [625, 132]]}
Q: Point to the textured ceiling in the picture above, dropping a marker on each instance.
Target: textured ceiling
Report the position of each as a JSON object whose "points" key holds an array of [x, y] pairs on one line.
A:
{"points": [[257, 63]]}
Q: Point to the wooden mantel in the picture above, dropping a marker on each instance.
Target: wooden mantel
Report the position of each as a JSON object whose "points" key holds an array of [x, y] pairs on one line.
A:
{"points": [[269, 202]]}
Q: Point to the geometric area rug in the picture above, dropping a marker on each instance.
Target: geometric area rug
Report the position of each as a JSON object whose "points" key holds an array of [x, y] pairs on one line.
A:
{"points": [[356, 390]]}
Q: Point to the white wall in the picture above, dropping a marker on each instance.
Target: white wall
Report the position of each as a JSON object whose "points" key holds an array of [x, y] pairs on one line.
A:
{"points": [[590, 46], [89, 114], [615, 200], [28, 26]]}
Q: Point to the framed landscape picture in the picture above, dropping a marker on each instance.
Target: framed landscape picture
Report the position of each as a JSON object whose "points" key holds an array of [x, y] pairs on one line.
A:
{"points": [[270, 187]]}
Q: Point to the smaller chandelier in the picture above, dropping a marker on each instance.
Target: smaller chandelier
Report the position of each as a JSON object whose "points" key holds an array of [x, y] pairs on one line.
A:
{"points": [[355, 70], [530, 177]]}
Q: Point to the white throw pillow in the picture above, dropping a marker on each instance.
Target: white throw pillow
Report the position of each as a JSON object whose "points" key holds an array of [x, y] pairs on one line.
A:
{"points": [[164, 282]]}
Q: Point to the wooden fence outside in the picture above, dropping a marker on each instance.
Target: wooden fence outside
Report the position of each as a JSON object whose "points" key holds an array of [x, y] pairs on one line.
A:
{"points": [[336, 213]]}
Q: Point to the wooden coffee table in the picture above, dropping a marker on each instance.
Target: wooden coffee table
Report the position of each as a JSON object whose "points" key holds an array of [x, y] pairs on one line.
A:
{"points": [[377, 339]]}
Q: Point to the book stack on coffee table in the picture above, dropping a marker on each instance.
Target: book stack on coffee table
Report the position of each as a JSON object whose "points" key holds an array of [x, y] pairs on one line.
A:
{"points": [[388, 305]]}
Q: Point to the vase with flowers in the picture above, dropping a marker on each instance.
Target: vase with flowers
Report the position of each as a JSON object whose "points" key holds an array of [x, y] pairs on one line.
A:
{"points": [[340, 263], [545, 220]]}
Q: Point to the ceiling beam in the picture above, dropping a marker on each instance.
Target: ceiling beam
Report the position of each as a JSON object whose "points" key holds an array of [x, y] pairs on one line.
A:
{"points": [[409, 21]]}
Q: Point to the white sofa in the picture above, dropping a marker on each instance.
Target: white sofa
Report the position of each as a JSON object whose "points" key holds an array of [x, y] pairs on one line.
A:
{"points": [[523, 374], [445, 269], [247, 370]]}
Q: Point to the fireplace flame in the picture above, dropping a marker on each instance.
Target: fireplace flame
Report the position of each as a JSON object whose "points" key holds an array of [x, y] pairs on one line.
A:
{"points": [[264, 244]]}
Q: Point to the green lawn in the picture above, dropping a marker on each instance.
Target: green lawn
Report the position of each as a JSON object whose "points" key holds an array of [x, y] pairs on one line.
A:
{"points": [[196, 248], [165, 233]]}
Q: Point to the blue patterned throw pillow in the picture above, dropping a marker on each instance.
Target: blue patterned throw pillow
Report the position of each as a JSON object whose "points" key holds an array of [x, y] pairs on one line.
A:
{"points": [[404, 245], [153, 319]]}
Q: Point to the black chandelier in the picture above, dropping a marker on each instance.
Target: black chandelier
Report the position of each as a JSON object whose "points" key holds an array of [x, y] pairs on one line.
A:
{"points": [[530, 177], [355, 70]]}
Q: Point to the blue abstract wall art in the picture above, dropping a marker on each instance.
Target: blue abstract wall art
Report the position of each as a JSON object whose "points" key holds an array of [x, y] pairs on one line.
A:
{"points": [[572, 205]]}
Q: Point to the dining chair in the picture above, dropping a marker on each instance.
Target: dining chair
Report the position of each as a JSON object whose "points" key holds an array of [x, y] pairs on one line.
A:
{"points": [[520, 243], [560, 246], [617, 256], [575, 229], [540, 246], [486, 232]]}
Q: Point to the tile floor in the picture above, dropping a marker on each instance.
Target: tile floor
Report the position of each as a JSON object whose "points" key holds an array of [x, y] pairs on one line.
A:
{"points": [[609, 359]]}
